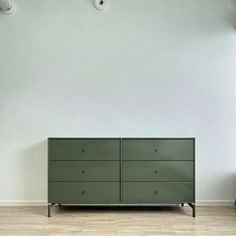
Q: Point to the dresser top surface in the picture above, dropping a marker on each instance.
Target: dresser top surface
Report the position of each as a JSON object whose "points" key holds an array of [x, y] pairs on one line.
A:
{"points": [[123, 138]]}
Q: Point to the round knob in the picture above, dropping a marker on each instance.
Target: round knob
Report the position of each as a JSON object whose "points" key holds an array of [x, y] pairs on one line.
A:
{"points": [[83, 192], [156, 171], [83, 171], [156, 150], [155, 192], [83, 150]]}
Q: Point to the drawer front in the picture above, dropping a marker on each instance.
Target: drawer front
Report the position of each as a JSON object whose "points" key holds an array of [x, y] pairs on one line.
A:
{"points": [[150, 192], [158, 171], [87, 193], [78, 149], [157, 149], [84, 171]]}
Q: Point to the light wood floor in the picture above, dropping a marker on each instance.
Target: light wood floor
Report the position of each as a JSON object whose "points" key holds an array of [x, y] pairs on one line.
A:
{"points": [[117, 221]]}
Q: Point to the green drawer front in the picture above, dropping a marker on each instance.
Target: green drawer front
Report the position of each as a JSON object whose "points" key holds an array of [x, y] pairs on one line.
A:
{"points": [[87, 193], [157, 149], [84, 171], [158, 171], [78, 149], [150, 192]]}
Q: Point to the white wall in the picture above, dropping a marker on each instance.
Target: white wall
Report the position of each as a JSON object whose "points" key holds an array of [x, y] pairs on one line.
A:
{"points": [[142, 68]]}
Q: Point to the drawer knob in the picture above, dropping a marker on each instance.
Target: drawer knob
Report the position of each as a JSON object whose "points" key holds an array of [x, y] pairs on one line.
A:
{"points": [[83, 150], [156, 192], [83, 171], [83, 192], [156, 150], [156, 171]]}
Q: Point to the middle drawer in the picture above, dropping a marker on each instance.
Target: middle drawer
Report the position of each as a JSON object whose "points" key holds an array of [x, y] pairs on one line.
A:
{"points": [[158, 171], [84, 171]]}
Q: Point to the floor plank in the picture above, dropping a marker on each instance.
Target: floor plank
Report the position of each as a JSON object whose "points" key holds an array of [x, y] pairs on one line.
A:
{"points": [[108, 221]]}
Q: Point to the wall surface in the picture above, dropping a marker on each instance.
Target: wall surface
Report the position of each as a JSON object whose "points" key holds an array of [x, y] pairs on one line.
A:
{"points": [[151, 68]]}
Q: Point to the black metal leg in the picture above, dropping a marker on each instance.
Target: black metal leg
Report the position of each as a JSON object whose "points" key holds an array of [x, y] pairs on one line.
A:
{"points": [[50, 205], [49, 210], [194, 208], [59, 204], [182, 204]]}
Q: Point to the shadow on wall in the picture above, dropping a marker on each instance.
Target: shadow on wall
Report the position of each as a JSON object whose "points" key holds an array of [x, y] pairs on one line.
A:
{"points": [[35, 172], [228, 182], [223, 186]]}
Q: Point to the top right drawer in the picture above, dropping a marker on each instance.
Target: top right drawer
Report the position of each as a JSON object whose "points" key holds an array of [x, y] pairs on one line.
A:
{"points": [[158, 149]]}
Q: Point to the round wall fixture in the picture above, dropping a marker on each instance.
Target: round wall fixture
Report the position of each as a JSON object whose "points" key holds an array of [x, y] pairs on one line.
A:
{"points": [[101, 4], [7, 7]]}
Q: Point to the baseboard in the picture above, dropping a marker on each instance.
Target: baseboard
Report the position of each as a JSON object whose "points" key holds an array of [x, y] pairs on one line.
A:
{"points": [[44, 203], [215, 203], [23, 203]]}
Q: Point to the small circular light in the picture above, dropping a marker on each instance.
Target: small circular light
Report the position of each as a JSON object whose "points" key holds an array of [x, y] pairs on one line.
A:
{"points": [[101, 4], [9, 10]]}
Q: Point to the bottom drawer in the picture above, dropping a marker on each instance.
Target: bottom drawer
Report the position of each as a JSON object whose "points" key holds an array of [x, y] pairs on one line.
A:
{"points": [[79, 192], [157, 192]]}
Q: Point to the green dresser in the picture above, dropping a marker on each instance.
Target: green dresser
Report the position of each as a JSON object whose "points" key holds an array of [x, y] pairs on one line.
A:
{"points": [[121, 171]]}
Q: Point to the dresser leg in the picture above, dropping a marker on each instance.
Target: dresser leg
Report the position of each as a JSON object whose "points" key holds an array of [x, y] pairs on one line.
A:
{"points": [[182, 204], [194, 210], [50, 205], [49, 210], [192, 205]]}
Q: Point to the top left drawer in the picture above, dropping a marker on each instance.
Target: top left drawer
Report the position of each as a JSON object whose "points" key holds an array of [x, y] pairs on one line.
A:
{"points": [[83, 149]]}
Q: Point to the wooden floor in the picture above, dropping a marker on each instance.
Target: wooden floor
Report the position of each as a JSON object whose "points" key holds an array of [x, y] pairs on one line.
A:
{"points": [[117, 221]]}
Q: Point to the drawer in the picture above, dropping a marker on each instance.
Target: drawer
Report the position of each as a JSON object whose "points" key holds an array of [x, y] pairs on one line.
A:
{"points": [[158, 192], [78, 149], [84, 171], [77, 192], [158, 171], [158, 149]]}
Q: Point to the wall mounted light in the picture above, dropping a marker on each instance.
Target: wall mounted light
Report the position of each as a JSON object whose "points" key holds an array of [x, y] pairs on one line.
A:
{"points": [[101, 4], [7, 7]]}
